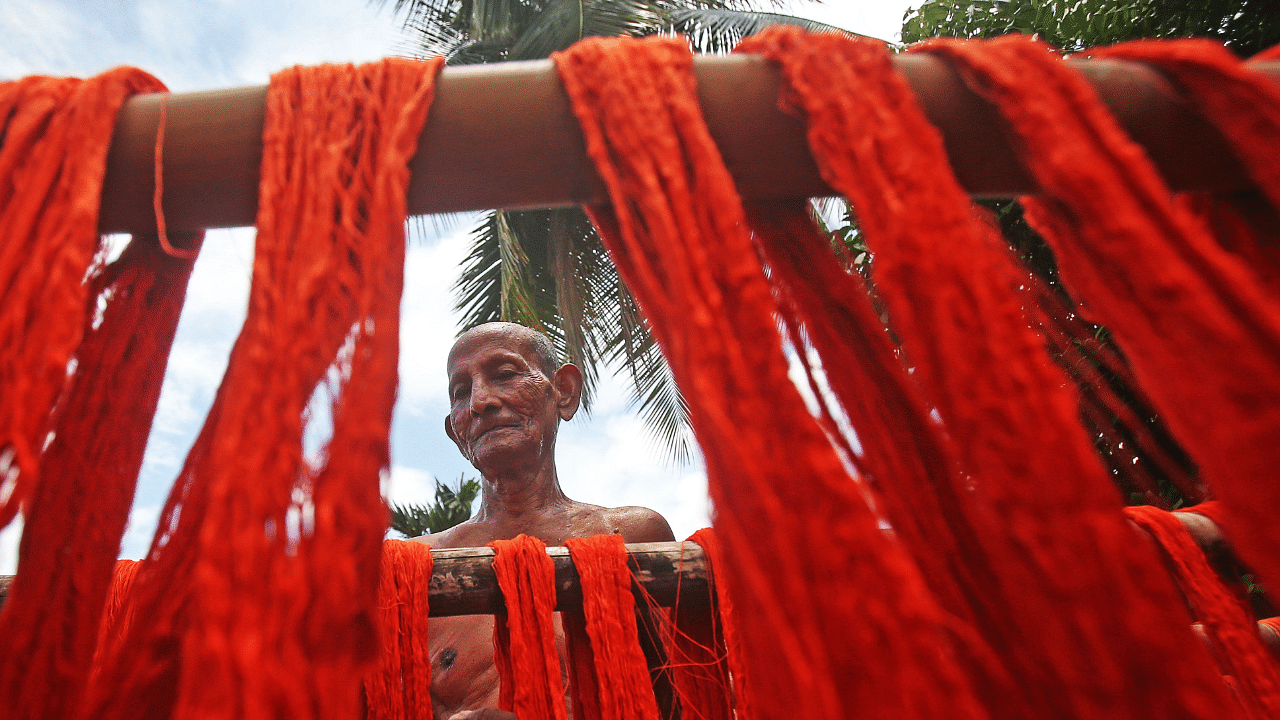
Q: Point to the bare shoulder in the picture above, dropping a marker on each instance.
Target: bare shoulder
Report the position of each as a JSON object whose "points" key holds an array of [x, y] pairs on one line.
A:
{"points": [[458, 536], [639, 524]]}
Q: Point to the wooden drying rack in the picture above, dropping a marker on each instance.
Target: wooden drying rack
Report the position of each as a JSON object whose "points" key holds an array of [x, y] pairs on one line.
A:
{"points": [[503, 136], [463, 583]]}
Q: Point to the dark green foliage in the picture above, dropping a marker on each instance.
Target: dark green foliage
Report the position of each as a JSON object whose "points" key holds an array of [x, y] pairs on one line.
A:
{"points": [[452, 506], [1245, 27]]}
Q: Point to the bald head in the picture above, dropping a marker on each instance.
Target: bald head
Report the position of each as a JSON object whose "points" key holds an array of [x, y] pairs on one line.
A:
{"points": [[531, 343]]}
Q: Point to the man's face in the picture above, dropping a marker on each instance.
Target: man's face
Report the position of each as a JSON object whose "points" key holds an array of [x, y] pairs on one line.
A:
{"points": [[503, 405]]}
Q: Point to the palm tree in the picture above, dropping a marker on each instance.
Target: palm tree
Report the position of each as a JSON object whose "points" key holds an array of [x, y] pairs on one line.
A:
{"points": [[547, 269], [452, 506]]}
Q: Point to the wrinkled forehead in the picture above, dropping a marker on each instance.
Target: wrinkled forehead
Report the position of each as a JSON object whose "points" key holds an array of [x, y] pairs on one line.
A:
{"points": [[484, 341]]}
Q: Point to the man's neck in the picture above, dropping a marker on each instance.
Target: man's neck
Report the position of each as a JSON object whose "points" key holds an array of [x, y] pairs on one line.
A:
{"points": [[511, 495]]}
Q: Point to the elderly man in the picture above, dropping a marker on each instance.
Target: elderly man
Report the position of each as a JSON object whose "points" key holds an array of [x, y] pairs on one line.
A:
{"points": [[507, 396]]}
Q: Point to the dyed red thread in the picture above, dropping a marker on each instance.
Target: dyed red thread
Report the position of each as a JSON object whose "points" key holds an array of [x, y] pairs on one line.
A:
{"points": [[678, 234], [527, 661], [622, 689], [156, 199], [399, 688], [1200, 330], [262, 581], [84, 345], [1228, 622]]}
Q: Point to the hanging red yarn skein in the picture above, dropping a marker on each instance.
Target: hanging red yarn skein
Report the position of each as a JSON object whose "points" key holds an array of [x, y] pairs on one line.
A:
{"points": [[622, 688], [86, 344], [399, 688], [817, 646], [1200, 330], [524, 636], [262, 581], [1227, 621]]}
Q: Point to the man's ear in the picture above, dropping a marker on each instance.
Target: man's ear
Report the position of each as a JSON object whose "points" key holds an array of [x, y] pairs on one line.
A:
{"points": [[448, 430], [568, 384]]}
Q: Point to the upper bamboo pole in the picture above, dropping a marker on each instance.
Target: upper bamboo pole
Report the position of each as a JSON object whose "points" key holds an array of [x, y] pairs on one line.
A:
{"points": [[503, 136]]}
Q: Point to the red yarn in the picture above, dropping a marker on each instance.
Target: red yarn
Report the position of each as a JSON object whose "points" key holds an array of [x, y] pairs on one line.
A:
{"points": [[903, 453], [708, 672], [1039, 515], [51, 622], [56, 133], [117, 616], [70, 431], [1200, 331], [525, 636], [157, 196], [846, 626], [1244, 105], [1227, 621], [257, 599], [622, 688], [583, 684], [399, 688]]}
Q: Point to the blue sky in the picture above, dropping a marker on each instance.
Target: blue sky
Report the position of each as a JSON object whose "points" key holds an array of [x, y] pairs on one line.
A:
{"points": [[607, 458]]}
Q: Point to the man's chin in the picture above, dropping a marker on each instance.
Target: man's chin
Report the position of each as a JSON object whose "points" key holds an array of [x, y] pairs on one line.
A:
{"points": [[499, 449]]}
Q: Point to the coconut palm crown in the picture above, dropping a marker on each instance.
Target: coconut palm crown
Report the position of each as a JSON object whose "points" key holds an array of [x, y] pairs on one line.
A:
{"points": [[547, 269]]}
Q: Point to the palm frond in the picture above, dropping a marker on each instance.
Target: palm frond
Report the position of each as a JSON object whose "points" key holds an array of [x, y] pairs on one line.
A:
{"points": [[712, 30], [557, 28], [479, 284], [668, 6], [573, 262], [491, 19], [421, 9], [525, 299], [429, 36], [654, 393], [565, 22]]}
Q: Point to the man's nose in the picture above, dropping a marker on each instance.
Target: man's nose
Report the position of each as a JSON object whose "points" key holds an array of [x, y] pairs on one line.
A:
{"points": [[483, 397]]}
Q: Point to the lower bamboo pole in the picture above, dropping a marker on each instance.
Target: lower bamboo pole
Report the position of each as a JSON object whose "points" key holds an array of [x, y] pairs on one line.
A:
{"points": [[503, 136], [462, 581]]}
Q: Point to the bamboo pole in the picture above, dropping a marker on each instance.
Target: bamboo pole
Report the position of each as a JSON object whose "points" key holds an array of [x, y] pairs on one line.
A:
{"points": [[503, 136], [462, 581]]}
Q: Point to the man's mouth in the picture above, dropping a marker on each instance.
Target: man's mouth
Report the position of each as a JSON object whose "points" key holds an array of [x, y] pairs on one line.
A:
{"points": [[488, 430]]}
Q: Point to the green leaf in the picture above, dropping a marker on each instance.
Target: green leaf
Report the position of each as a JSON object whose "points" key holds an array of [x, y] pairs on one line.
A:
{"points": [[452, 507]]}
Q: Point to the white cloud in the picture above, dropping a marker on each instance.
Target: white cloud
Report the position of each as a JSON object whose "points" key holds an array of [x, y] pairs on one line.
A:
{"points": [[190, 45], [10, 536], [139, 531], [612, 459], [410, 486], [428, 323]]}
